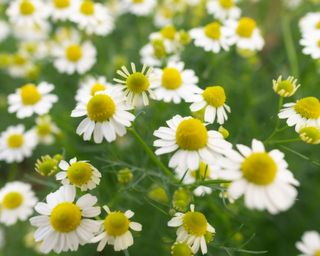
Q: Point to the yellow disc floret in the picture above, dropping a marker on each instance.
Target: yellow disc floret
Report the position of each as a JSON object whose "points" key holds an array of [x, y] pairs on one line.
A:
{"points": [[27, 8], [171, 78], [116, 224], [137, 82], [12, 200], [191, 134], [97, 87], [310, 134], [181, 249], [226, 4], [317, 253], [195, 223], [15, 140], [213, 30], [29, 94], [44, 129], [308, 107], [246, 26], [74, 52], [61, 4], [65, 217], [259, 168], [101, 108], [87, 7], [168, 32], [79, 173], [214, 96], [202, 173]]}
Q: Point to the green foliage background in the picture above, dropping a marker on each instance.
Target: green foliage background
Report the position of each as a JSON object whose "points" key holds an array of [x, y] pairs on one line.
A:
{"points": [[248, 84]]}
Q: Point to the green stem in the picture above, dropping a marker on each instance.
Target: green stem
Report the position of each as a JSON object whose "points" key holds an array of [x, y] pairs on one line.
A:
{"points": [[152, 156], [284, 141], [206, 183], [13, 172], [276, 128], [289, 44]]}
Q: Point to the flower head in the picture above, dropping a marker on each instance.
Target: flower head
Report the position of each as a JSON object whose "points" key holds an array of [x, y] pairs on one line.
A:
{"points": [[287, 87]]}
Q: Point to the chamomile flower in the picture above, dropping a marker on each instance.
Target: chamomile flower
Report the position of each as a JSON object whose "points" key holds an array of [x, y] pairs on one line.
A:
{"points": [[27, 12], [212, 101], [285, 87], [310, 134], [32, 32], [305, 111], [116, 230], [310, 244], [170, 37], [93, 18], [31, 98], [19, 66], [224, 9], [90, 85], [17, 201], [310, 23], [193, 227], [164, 16], [79, 173], [212, 38], [106, 114], [191, 141], [262, 177], [174, 83], [181, 249], [46, 130], [63, 224], [246, 35], [136, 85], [16, 144], [311, 45], [139, 7], [71, 57], [61, 9]]}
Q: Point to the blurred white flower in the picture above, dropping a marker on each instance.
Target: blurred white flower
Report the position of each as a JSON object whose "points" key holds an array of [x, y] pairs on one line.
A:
{"points": [[224, 9], [139, 7], [310, 244]]}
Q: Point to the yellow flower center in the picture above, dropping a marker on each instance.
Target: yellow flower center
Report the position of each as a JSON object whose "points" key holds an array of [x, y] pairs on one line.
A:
{"points": [[19, 60], [159, 49], [285, 85], [100, 108], [12, 200], [87, 7], [74, 52], [226, 4], [79, 173], [65, 217], [195, 223], [137, 1], [15, 140], [168, 32], [181, 249], [310, 134], [191, 134], [318, 25], [27, 8], [44, 129], [29, 94], [171, 78], [246, 26], [214, 96], [259, 168], [202, 173], [308, 107], [61, 4], [213, 30], [116, 224], [97, 87], [317, 253], [137, 82]]}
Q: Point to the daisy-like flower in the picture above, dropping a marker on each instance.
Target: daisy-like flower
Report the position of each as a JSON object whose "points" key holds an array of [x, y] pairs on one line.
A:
{"points": [[106, 114], [246, 35], [193, 228], [212, 38], [310, 244], [33, 32], [79, 173], [181, 248], [46, 130], [305, 111], [61, 9], [191, 141], [212, 101], [139, 7], [93, 18], [73, 56], [31, 98], [27, 12], [310, 134], [136, 85], [116, 230], [262, 177], [90, 85], [310, 23], [16, 144], [17, 201], [174, 83], [224, 9], [164, 15], [63, 224], [287, 87], [311, 44], [19, 66]]}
